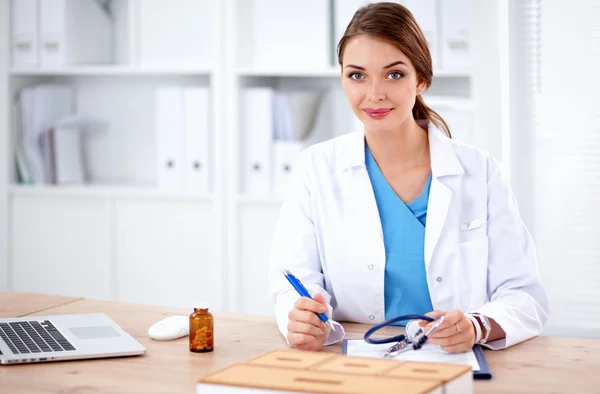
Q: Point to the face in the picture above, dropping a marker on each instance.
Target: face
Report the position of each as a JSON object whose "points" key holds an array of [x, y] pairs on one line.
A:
{"points": [[380, 83]]}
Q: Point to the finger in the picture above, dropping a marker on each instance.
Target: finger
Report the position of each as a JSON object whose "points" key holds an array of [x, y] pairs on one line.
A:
{"points": [[296, 339], [433, 314], [452, 330], [451, 340], [304, 328], [320, 299], [311, 346], [450, 319], [458, 348], [305, 303], [304, 316], [444, 332]]}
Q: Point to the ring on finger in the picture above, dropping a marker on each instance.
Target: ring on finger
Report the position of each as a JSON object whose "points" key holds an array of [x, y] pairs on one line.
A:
{"points": [[457, 328]]}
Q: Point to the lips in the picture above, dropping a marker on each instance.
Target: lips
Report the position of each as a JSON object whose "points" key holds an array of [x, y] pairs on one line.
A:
{"points": [[377, 112]]}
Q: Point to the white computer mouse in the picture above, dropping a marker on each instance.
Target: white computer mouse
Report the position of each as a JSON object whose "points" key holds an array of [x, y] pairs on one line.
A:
{"points": [[169, 328]]}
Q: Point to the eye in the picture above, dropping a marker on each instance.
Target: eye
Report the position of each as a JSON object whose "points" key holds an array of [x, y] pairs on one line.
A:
{"points": [[355, 76], [395, 75]]}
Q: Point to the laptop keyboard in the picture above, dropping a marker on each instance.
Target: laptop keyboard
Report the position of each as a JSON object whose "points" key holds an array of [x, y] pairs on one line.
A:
{"points": [[33, 337]]}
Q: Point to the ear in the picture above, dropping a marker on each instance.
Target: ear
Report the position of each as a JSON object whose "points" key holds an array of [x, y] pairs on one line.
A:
{"points": [[421, 88]]}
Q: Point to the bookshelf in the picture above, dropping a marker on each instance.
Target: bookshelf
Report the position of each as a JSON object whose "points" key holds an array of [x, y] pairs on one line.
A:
{"points": [[120, 236], [111, 71]]}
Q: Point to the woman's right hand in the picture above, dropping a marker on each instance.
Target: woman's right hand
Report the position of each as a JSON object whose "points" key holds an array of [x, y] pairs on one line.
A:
{"points": [[305, 330]]}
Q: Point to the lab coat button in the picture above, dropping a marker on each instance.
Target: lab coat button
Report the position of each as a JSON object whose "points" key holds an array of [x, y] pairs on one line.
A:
{"points": [[439, 279], [371, 317], [370, 267]]}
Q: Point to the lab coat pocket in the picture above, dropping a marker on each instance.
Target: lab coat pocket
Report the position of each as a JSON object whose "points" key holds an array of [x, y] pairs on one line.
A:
{"points": [[473, 265]]}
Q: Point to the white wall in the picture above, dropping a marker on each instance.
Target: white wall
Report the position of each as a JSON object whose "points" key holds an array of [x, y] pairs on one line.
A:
{"points": [[5, 151]]}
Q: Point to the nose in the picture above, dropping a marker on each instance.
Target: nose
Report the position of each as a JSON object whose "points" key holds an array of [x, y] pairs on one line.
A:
{"points": [[376, 92]]}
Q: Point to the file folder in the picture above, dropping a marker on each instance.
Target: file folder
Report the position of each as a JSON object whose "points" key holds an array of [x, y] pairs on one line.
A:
{"points": [[457, 112], [40, 107], [196, 140], [456, 34], [285, 154], [257, 137], [482, 373], [74, 32], [425, 13], [169, 126], [24, 33]]}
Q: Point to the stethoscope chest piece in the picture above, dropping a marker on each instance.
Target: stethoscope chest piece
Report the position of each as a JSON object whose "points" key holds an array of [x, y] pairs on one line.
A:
{"points": [[414, 338]]}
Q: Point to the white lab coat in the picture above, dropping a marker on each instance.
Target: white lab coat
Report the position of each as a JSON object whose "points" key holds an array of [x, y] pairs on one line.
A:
{"points": [[479, 257]]}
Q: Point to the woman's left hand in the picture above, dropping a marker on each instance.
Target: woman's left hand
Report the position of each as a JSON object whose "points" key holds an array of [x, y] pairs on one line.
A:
{"points": [[456, 334]]}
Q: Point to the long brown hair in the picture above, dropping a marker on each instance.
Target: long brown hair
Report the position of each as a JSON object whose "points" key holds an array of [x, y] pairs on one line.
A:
{"points": [[397, 25]]}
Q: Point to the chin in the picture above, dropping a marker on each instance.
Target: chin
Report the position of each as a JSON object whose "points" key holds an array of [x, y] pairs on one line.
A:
{"points": [[377, 126]]}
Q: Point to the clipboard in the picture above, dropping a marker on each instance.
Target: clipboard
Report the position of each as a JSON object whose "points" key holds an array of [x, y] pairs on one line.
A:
{"points": [[483, 373]]}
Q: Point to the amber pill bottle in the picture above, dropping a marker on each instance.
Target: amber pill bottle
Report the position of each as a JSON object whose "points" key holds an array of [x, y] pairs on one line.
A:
{"points": [[201, 331]]}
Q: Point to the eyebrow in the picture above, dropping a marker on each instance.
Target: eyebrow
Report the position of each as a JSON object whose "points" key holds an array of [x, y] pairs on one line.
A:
{"points": [[388, 66]]}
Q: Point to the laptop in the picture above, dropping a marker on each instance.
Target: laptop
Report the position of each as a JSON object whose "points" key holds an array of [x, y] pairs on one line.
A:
{"points": [[64, 337]]}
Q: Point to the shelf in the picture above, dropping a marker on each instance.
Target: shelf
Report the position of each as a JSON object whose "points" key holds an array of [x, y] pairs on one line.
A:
{"points": [[329, 72], [451, 74], [102, 191], [264, 72], [259, 200], [110, 70]]}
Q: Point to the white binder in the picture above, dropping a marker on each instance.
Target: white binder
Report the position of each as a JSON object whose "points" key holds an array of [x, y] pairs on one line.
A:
{"points": [[41, 106], [68, 159], [196, 141], [425, 13], [74, 32], [257, 137], [457, 112], [285, 154], [456, 34], [24, 33], [169, 126], [66, 134]]}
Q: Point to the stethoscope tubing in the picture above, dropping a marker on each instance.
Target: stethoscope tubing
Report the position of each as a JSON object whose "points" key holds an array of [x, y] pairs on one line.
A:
{"points": [[397, 338]]}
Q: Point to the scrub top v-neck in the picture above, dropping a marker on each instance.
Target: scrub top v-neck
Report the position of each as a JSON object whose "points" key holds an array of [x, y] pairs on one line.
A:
{"points": [[403, 225]]}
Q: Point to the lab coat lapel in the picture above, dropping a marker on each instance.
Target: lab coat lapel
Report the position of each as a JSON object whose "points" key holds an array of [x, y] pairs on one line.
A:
{"points": [[358, 193], [365, 209], [440, 196], [444, 163]]}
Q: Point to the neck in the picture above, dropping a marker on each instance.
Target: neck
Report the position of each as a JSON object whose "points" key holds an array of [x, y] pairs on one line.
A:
{"points": [[405, 146]]}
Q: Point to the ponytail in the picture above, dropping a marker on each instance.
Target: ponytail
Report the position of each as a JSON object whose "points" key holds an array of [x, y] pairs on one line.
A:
{"points": [[422, 112]]}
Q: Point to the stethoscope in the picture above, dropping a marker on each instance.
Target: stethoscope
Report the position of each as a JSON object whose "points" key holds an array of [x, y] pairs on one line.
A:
{"points": [[415, 335]]}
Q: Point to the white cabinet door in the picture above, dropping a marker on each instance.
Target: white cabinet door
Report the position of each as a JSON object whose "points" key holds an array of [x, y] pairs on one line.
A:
{"points": [[178, 32], [60, 246], [257, 225], [165, 252]]}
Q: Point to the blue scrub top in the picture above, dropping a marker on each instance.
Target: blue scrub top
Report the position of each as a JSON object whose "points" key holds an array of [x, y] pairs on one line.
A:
{"points": [[405, 284]]}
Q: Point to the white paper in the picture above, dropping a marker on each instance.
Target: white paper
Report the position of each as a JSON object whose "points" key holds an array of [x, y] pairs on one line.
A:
{"points": [[428, 353], [78, 122]]}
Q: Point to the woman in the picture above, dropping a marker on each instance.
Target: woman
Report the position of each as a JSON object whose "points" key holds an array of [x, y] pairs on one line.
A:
{"points": [[400, 218]]}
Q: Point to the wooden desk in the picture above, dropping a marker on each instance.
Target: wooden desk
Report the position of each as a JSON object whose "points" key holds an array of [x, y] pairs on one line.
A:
{"points": [[541, 365], [15, 304]]}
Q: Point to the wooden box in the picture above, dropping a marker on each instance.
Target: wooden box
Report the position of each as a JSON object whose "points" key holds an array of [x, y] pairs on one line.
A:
{"points": [[294, 371]]}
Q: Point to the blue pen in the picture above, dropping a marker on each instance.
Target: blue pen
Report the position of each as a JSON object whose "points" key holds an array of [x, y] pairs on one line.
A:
{"points": [[304, 293]]}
